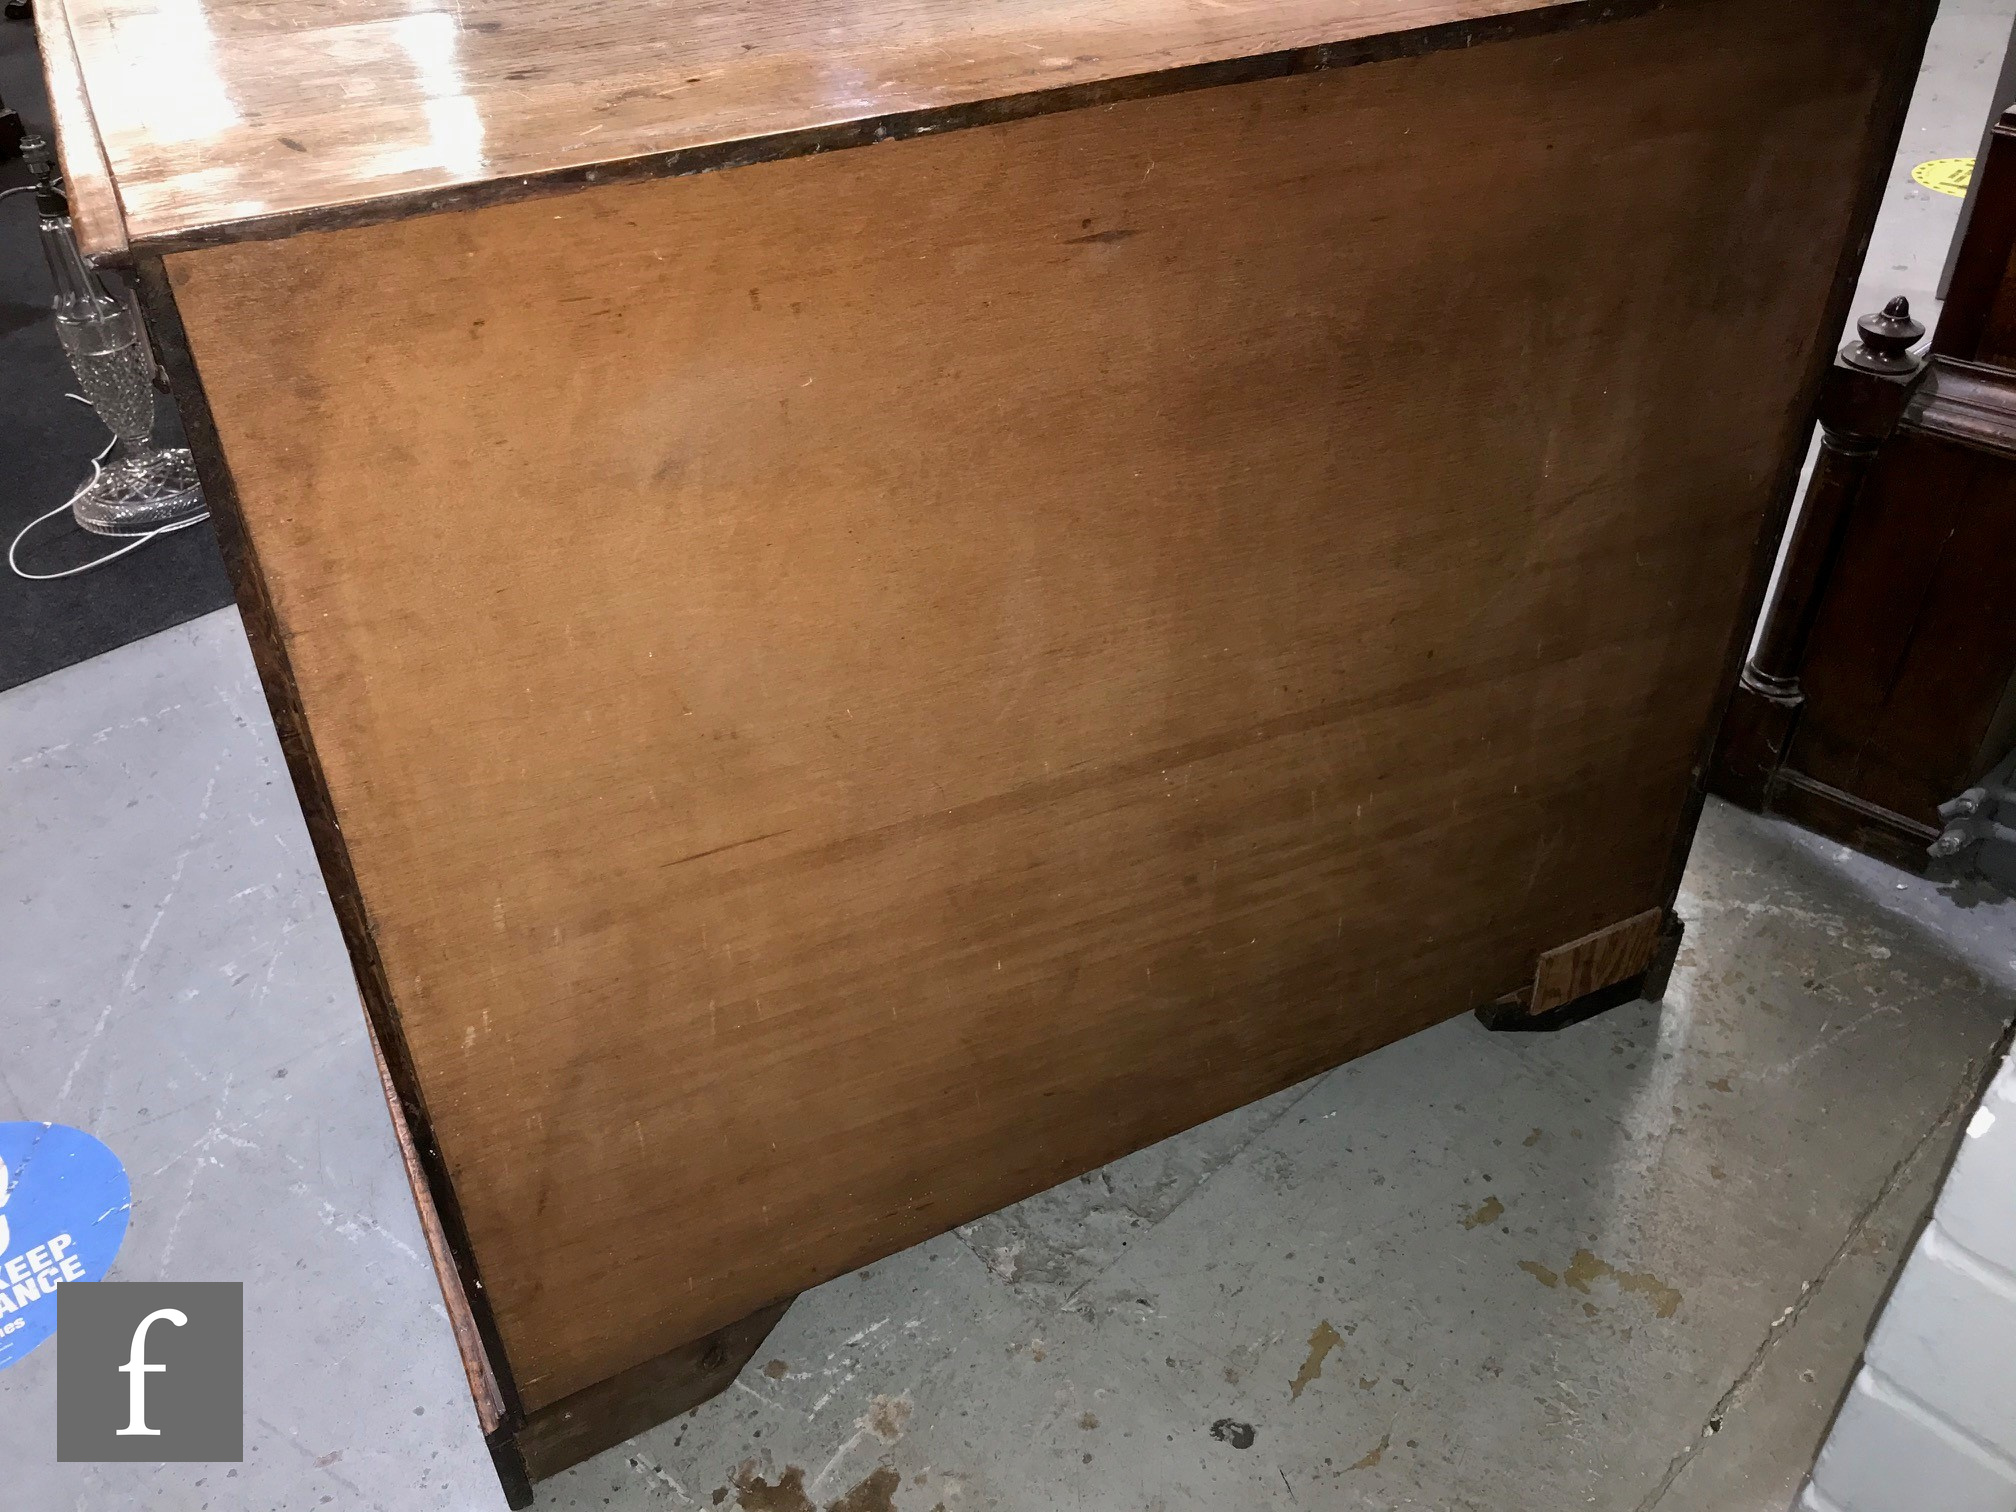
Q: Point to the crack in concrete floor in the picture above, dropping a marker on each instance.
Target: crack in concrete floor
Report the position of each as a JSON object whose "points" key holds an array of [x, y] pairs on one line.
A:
{"points": [[1966, 1092]]}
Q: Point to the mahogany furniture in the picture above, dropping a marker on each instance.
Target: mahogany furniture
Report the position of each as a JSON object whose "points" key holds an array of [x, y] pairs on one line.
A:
{"points": [[873, 605], [1884, 682]]}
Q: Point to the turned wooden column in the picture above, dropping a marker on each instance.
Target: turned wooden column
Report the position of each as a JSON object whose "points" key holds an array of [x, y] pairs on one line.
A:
{"points": [[1860, 404]]}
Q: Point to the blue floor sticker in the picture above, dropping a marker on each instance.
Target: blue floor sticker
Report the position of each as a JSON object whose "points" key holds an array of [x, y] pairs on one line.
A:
{"points": [[64, 1204]]}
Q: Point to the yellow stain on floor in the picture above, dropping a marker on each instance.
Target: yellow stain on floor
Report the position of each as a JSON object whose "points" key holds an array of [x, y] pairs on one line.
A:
{"points": [[1321, 1342]]}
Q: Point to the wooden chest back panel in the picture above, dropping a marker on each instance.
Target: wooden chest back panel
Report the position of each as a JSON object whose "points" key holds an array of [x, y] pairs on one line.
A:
{"points": [[860, 687]]}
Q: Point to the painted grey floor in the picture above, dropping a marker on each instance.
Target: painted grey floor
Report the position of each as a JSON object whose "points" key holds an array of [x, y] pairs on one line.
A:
{"points": [[1621, 1268], [173, 982]]}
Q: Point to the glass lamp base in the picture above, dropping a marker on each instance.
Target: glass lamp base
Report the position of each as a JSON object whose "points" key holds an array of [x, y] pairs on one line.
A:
{"points": [[136, 494]]}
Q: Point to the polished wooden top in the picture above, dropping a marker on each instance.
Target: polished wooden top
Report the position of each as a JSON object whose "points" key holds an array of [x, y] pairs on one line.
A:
{"points": [[224, 119]]}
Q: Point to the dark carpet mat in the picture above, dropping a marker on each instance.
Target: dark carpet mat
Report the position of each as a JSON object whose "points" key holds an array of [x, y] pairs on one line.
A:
{"points": [[46, 443]]}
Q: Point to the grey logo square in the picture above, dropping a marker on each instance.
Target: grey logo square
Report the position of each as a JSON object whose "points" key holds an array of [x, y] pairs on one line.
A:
{"points": [[150, 1371]]}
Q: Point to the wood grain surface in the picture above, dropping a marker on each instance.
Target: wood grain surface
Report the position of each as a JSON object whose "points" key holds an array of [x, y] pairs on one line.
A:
{"points": [[95, 217], [476, 1363], [858, 688], [1908, 676], [580, 1426], [229, 117], [1601, 958]]}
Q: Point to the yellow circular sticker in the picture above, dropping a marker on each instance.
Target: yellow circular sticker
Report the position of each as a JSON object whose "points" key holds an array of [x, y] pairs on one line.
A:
{"points": [[1946, 175]]}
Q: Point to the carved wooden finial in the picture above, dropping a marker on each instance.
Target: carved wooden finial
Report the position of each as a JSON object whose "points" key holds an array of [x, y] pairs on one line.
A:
{"points": [[1886, 341]]}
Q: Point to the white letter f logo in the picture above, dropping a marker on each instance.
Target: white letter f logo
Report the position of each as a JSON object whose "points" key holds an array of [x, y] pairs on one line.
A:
{"points": [[136, 1370]]}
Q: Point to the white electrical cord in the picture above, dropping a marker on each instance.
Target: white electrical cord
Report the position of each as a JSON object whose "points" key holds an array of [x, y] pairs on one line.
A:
{"points": [[133, 545]]}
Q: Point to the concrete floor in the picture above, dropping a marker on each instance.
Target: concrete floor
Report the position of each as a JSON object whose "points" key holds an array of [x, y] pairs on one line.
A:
{"points": [[1623, 1267], [1948, 110]]}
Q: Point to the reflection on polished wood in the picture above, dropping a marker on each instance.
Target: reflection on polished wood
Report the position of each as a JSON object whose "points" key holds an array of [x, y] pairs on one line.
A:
{"points": [[221, 118], [87, 177]]}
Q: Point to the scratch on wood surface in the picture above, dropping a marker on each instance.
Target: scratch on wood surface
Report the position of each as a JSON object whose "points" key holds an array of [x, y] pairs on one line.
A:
{"points": [[731, 845]]}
